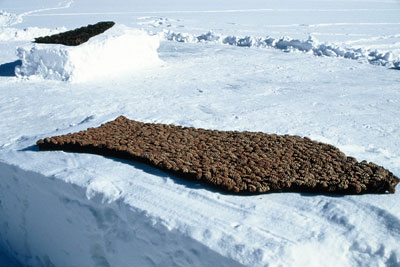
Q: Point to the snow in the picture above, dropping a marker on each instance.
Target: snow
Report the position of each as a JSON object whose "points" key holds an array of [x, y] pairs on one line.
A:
{"points": [[26, 34], [118, 213], [288, 44], [130, 237], [120, 50], [7, 19]]}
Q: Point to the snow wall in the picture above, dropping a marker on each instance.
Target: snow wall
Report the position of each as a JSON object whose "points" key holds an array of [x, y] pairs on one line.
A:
{"points": [[118, 51], [48, 222]]}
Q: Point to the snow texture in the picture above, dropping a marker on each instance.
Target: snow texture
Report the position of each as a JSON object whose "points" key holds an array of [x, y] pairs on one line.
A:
{"points": [[288, 44], [72, 209], [7, 19], [27, 34], [99, 234], [117, 52]]}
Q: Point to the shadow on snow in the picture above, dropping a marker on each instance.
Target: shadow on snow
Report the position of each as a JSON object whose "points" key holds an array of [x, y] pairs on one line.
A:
{"points": [[8, 69]]}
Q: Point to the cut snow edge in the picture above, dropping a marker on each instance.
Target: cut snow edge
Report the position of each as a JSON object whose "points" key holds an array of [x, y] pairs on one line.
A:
{"points": [[117, 52]]}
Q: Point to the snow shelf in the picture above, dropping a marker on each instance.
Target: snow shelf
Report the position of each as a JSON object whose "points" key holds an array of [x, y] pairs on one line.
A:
{"points": [[59, 226], [118, 51]]}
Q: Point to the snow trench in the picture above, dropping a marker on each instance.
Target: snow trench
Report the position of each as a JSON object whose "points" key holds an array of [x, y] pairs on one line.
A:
{"points": [[287, 44], [48, 222]]}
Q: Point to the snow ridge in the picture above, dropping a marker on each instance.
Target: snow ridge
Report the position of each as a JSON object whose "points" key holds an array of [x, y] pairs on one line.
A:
{"points": [[287, 44]]}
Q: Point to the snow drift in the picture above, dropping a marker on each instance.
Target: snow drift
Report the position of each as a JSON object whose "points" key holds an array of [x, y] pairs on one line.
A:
{"points": [[117, 52], [287, 44]]}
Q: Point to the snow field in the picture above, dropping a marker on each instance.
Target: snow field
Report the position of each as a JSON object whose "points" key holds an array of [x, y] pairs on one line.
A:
{"points": [[7, 19], [107, 206], [279, 229], [118, 51], [27, 34]]}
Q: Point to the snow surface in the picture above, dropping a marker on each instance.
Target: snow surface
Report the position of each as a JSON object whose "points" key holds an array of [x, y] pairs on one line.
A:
{"points": [[27, 34], [132, 239], [74, 209], [118, 51], [287, 44]]}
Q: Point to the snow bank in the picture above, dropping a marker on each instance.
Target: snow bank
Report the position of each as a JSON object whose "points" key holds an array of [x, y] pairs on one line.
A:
{"points": [[47, 222], [118, 51], [287, 44]]}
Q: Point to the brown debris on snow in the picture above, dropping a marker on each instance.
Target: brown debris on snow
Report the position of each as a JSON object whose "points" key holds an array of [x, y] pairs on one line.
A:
{"points": [[246, 162], [77, 36]]}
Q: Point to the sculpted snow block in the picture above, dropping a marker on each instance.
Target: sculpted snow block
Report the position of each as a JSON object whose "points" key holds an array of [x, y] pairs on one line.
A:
{"points": [[77, 36], [248, 162], [119, 51]]}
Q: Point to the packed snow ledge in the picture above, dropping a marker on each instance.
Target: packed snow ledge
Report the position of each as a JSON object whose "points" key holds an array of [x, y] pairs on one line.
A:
{"points": [[88, 230]]}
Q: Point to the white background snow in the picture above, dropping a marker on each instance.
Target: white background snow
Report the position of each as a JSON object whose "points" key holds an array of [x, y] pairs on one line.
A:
{"points": [[66, 209]]}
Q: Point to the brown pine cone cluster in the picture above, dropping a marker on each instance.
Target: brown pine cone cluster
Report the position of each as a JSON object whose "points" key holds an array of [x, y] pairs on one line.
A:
{"points": [[245, 162], [77, 36]]}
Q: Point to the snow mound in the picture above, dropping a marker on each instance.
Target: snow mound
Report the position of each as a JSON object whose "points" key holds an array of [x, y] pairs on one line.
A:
{"points": [[287, 44], [118, 51]]}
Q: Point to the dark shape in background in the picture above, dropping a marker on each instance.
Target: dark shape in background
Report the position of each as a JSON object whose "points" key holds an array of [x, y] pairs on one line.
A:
{"points": [[77, 36]]}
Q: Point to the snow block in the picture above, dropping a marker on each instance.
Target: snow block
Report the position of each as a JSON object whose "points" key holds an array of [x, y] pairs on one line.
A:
{"points": [[116, 52], [244, 162], [48, 222]]}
